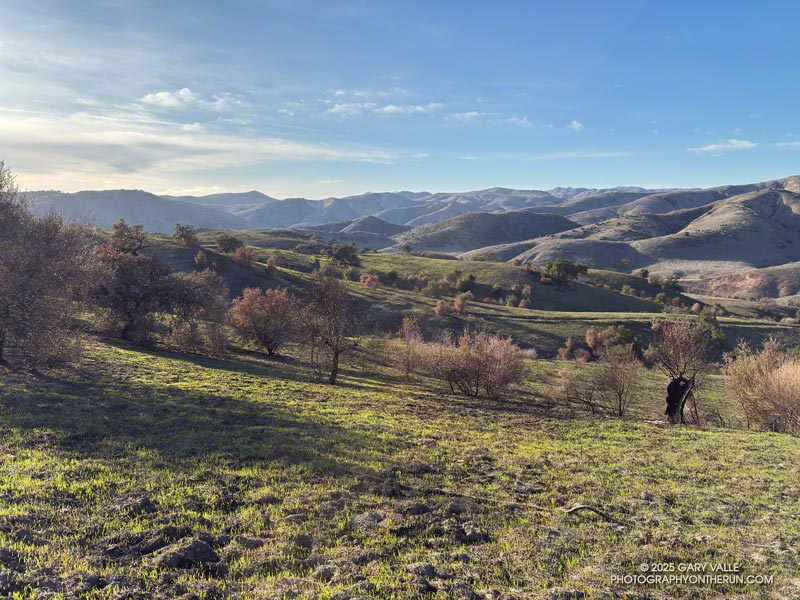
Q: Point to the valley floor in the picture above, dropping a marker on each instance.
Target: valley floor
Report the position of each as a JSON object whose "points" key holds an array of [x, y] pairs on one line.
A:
{"points": [[148, 474]]}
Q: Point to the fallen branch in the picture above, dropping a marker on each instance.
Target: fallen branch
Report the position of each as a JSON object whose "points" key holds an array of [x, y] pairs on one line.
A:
{"points": [[605, 515]]}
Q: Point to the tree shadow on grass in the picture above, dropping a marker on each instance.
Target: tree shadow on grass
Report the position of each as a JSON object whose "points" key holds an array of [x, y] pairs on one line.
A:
{"points": [[105, 418]]}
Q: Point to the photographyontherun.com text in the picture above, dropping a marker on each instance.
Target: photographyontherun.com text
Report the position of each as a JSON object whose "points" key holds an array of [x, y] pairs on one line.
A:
{"points": [[706, 574]]}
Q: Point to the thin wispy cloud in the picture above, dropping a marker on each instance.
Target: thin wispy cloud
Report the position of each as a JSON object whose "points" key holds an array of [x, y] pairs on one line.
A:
{"points": [[78, 148], [788, 145], [723, 147], [186, 98], [575, 126], [354, 109], [464, 117]]}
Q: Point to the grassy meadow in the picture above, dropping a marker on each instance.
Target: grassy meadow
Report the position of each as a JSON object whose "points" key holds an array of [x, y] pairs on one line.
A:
{"points": [[144, 473]]}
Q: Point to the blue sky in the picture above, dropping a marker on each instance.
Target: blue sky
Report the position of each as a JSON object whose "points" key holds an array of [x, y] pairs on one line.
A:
{"points": [[333, 98]]}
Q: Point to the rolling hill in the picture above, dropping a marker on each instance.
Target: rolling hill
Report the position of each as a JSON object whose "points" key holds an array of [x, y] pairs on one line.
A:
{"points": [[135, 206], [475, 230]]}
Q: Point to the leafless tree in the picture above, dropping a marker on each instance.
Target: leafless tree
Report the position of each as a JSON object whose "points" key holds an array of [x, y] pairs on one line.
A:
{"points": [[609, 387], [680, 350], [618, 377], [331, 323], [411, 335]]}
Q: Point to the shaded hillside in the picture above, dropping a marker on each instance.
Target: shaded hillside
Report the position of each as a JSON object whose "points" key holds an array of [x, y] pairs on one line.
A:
{"points": [[618, 229], [475, 230], [135, 206], [227, 200], [769, 282], [617, 256], [370, 224]]}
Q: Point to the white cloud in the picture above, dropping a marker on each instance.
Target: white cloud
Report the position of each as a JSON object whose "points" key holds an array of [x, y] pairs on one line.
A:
{"points": [[331, 181], [469, 158], [286, 111], [575, 126], [408, 109], [464, 116], [186, 98], [352, 109], [421, 155], [789, 145], [722, 147], [516, 122], [192, 127], [199, 190], [77, 151], [756, 116]]}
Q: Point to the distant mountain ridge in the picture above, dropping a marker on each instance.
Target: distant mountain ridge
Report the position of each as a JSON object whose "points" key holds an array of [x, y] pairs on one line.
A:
{"points": [[743, 237], [255, 210]]}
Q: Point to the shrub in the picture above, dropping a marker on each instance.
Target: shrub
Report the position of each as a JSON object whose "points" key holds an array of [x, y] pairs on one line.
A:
{"points": [[765, 386], [444, 308], [370, 281], [267, 318], [46, 268], [465, 284], [562, 270], [565, 352], [411, 334], [186, 235], [435, 289], [608, 387], [228, 244], [512, 300], [200, 260], [525, 303], [272, 266], [452, 278], [345, 255], [244, 256], [643, 273], [582, 355], [461, 302], [475, 362]]}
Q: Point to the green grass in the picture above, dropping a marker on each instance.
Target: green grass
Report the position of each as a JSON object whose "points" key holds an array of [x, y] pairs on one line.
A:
{"points": [[305, 490]]}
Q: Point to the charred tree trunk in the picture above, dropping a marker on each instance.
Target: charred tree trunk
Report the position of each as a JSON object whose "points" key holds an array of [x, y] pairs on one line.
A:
{"points": [[678, 391], [334, 368]]}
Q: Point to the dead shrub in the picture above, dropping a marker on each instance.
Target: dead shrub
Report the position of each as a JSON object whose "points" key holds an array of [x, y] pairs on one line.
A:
{"points": [[608, 387], [370, 281], [444, 308], [474, 362], [244, 256], [765, 386]]}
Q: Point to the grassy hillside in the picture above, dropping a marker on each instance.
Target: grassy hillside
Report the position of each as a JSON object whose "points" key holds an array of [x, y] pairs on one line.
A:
{"points": [[558, 311], [479, 229], [151, 474]]}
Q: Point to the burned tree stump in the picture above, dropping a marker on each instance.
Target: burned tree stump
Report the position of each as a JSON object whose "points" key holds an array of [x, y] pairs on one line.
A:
{"points": [[678, 391]]}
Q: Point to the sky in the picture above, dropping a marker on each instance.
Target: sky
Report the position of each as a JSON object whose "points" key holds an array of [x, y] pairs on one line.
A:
{"points": [[318, 99]]}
